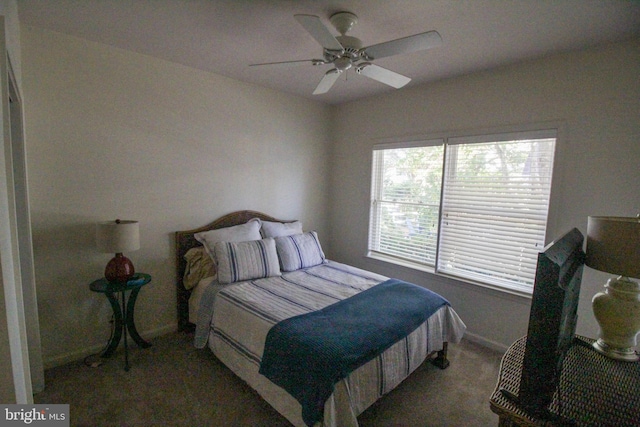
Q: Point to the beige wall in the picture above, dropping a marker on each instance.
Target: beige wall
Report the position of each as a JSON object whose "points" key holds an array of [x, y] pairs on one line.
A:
{"points": [[114, 134], [595, 97]]}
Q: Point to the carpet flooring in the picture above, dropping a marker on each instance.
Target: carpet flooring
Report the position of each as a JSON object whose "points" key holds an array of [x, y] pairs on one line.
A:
{"points": [[174, 384]]}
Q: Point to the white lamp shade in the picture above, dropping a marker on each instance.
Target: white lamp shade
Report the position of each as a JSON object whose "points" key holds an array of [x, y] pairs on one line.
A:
{"points": [[118, 236], [613, 245]]}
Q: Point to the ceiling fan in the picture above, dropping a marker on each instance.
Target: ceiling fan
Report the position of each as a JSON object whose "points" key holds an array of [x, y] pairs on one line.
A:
{"points": [[345, 52]]}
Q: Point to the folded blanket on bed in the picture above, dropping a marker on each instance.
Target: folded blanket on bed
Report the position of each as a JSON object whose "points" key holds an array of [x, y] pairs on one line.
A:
{"points": [[307, 354]]}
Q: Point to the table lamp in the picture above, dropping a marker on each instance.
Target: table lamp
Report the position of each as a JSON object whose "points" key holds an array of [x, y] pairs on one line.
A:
{"points": [[117, 237], [613, 246]]}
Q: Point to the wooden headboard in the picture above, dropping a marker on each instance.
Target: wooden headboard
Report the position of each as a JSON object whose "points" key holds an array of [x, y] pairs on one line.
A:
{"points": [[185, 240]]}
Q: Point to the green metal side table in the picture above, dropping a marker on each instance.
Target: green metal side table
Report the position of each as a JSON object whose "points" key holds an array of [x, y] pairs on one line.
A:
{"points": [[123, 311]]}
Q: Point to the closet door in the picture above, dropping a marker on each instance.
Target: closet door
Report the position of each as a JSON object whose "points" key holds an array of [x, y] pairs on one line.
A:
{"points": [[23, 222], [16, 254]]}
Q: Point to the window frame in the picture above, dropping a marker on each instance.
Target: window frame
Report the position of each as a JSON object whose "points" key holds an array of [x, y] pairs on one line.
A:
{"points": [[377, 188], [544, 132]]}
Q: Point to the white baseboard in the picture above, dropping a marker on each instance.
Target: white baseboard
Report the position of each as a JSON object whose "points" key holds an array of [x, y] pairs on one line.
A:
{"points": [[73, 356], [493, 345]]}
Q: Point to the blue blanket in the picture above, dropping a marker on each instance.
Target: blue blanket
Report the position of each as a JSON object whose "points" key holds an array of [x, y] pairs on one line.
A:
{"points": [[307, 354]]}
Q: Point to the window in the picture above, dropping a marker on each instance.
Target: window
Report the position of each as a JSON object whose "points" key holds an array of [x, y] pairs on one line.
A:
{"points": [[474, 208]]}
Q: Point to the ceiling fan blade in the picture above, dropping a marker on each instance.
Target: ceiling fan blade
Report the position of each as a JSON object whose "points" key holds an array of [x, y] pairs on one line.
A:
{"points": [[318, 31], [414, 43], [289, 63], [327, 81], [382, 75]]}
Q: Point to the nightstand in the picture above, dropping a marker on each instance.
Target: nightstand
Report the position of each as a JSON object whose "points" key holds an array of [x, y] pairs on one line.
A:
{"points": [[123, 311], [594, 390]]}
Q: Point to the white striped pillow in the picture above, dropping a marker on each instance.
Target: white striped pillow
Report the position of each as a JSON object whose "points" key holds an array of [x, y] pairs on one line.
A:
{"points": [[238, 261], [299, 251], [237, 233]]}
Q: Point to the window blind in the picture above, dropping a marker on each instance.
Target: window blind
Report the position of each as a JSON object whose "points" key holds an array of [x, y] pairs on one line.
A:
{"points": [[494, 210], [472, 207], [405, 202]]}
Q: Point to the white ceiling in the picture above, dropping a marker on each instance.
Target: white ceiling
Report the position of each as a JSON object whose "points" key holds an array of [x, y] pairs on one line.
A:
{"points": [[225, 36]]}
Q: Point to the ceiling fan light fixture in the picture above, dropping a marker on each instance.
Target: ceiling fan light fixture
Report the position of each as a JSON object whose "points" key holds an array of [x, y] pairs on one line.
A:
{"points": [[343, 63]]}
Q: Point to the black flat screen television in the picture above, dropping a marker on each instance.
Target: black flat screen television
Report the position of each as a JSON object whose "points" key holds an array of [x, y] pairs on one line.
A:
{"points": [[552, 321]]}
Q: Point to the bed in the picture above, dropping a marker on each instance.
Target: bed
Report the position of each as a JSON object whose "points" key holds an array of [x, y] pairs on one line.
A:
{"points": [[262, 284]]}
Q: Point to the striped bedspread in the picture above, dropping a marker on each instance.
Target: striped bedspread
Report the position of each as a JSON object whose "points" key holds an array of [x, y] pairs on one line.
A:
{"points": [[306, 355], [238, 317]]}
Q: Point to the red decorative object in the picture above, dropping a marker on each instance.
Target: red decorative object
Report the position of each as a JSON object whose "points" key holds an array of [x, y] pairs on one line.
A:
{"points": [[119, 269], [117, 237]]}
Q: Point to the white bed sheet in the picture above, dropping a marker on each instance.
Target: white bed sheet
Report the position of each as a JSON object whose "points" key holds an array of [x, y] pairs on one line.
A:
{"points": [[242, 314]]}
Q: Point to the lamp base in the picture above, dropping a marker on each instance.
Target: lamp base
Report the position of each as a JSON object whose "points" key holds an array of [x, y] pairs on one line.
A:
{"points": [[617, 311], [624, 354], [119, 269]]}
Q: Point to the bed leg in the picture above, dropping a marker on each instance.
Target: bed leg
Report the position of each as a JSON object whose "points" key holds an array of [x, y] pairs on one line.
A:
{"points": [[441, 360]]}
